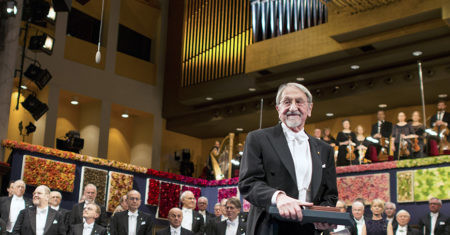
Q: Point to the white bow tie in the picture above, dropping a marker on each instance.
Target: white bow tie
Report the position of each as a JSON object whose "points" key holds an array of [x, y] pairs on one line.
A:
{"points": [[88, 226], [231, 223], [299, 136], [135, 214]]}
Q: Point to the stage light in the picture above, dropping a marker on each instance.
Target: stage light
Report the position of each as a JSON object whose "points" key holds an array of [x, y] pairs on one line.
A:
{"points": [[35, 107], [208, 98], [252, 89], [300, 79], [36, 12], [30, 128], [39, 76], [239, 129], [417, 53], [10, 9], [329, 114], [72, 142], [51, 16], [24, 87], [354, 67], [125, 115], [43, 43], [382, 106]]}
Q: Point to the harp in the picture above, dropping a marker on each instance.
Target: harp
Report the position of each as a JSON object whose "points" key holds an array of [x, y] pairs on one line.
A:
{"points": [[221, 158]]}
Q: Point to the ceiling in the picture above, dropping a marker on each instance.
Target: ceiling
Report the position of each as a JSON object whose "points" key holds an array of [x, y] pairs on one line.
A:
{"points": [[388, 74]]}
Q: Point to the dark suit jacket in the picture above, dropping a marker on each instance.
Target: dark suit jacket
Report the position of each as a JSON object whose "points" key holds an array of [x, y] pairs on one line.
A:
{"points": [[442, 224], [166, 231], [267, 166], [76, 215], [26, 223], [5, 205], [77, 229], [119, 223], [2, 227], [198, 225], [221, 228], [446, 119], [411, 231], [385, 130]]}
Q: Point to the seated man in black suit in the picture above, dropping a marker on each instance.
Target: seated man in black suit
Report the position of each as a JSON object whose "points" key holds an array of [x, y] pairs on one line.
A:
{"points": [[90, 212], [41, 219], [435, 221], [401, 227], [390, 209], [192, 220], [89, 194], [175, 217], [233, 225], [202, 205], [2, 227], [11, 206], [54, 202], [132, 221]]}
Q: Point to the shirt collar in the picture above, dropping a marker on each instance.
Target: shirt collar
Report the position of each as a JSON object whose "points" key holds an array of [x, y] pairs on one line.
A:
{"points": [[300, 136], [175, 229], [41, 210], [434, 214], [16, 198], [361, 221], [233, 222], [88, 226], [56, 208], [184, 209], [133, 213]]}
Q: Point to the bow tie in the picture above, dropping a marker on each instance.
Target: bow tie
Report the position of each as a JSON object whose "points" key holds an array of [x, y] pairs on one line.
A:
{"points": [[88, 226], [231, 223], [300, 137], [185, 210], [135, 214], [173, 231], [41, 211]]}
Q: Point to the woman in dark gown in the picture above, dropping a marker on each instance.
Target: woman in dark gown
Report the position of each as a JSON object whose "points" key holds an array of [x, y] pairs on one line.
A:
{"points": [[361, 145], [377, 225], [328, 138], [345, 138], [419, 130], [402, 130]]}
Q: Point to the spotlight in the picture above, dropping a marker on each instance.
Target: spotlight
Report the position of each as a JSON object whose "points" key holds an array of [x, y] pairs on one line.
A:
{"points": [[51, 16], [74, 101], [329, 114], [24, 87], [30, 128], [39, 76], [43, 43], [72, 142], [35, 107], [252, 89], [354, 67], [208, 98], [417, 53], [36, 12], [125, 115], [9, 9]]}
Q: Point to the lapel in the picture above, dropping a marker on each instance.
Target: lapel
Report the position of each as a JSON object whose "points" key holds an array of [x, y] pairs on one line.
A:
{"points": [[139, 220], [281, 147], [241, 228], [95, 230], [8, 206], [316, 177], [80, 210], [193, 219], [125, 217], [50, 217], [32, 215]]}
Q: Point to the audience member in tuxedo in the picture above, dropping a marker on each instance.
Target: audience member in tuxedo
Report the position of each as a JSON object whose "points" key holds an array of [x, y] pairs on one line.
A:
{"points": [[192, 220], [435, 221], [217, 210], [132, 221], [233, 225], [123, 206], [54, 202], [328, 138], [223, 210], [89, 195], [390, 209], [358, 216], [318, 133], [41, 219], [441, 118], [90, 212], [11, 206], [377, 225], [401, 227], [340, 228], [2, 227], [202, 205], [175, 217]]}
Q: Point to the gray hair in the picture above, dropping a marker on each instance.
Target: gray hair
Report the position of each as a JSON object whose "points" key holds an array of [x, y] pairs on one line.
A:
{"points": [[45, 187], [184, 194], [339, 201], [60, 195], [217, 204], [90, 186], [435, 198], [293, 84], [403, 211], [203, 197], [390, 203], [357, 203]]}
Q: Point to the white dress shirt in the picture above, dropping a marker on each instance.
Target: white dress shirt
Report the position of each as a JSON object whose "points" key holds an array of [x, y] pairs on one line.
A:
{"points": [[175, 231], [132, 222], [301, 155], [204, 215], [87, 228], [359, 225], [17, 204], [187, 219], [434, 217], [222, 218], [56, 208], [389, 220], [41, 218], [440, 115], [232, 226], [402, 230]]}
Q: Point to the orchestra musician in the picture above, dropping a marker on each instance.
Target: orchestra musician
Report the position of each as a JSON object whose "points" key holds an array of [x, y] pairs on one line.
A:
{"points": [[380, 129], [361, 145], [402, 134], [418, 129], [328, 138], [441, 118], [346, 139]]}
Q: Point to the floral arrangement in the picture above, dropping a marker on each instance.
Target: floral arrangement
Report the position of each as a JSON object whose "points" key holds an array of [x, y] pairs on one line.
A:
{"points": [[97, 177], [169, 198], [431, 181], [405, 186], [246, 206], [119, 185], [153, 192], [54, 174], [192, 180], [423, 161], [368, 187], [226, 193], [72, 156]]}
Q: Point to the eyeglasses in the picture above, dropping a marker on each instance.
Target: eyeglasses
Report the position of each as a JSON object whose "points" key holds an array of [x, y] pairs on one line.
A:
{"points": [[297, 102], [133, 199]]}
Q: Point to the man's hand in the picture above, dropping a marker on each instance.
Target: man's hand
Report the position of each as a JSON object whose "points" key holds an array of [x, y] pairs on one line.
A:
{"points": [[324, 226], [377, 136], [290, 208]]}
